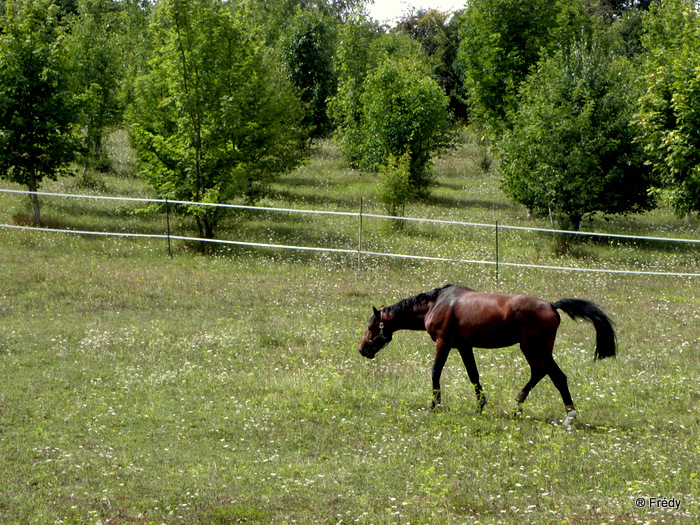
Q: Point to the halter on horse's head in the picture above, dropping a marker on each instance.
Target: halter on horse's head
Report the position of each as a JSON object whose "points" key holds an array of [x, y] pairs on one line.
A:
{"points": [[377, 335]]}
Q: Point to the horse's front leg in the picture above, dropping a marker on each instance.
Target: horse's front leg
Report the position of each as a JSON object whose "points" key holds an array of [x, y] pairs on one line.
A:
{"points": [[441, 352]]}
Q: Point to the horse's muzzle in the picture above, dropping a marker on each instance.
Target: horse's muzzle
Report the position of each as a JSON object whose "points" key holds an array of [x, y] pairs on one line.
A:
{"points": [[369, 348], [367, 352]]}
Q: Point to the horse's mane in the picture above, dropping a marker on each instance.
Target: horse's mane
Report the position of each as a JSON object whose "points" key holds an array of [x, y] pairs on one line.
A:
{"points": [[416, 303]]}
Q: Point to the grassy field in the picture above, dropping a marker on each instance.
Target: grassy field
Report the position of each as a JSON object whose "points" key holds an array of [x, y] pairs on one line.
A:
{"points": [[137, 388]]}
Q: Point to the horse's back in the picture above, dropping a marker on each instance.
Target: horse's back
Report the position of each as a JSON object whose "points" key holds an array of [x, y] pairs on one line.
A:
{"points": [[488, 320]]}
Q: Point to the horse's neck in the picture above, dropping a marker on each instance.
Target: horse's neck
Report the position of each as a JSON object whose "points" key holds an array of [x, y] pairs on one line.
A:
{"points": [[408, 319]]}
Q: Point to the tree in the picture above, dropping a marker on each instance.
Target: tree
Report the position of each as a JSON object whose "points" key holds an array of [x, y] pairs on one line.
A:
{"points": [[355, 57], [215, 118], [37, 110], [404, 111], [97, 71], [309, 48], [438, 34], [275, 16], [669, 111], [388, 103], [136, 45], [502, 40], [571, 151]]}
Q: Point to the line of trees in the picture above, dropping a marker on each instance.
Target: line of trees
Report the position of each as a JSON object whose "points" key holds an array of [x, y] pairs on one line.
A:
{"points": [[593, 106]]}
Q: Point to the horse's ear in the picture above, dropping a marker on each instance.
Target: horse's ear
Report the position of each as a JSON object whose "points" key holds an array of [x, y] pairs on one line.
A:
{"points": [[376, 313]]}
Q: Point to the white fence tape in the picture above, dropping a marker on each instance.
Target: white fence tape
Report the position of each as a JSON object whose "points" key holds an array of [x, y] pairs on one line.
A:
{"points": [[351, 251], [354, 214]]}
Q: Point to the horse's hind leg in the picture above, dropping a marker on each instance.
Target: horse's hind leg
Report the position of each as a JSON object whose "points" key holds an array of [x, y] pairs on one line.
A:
{"points": [[473, 373], [537, 372], [559, 379]]}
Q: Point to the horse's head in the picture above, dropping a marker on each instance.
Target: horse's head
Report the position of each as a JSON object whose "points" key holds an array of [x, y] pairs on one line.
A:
{"points": [[376, 337]]}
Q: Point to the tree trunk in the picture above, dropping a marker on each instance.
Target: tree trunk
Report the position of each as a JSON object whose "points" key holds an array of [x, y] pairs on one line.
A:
{"points": [[200, 227], [35, 199], [37, 212], [571, 222], [208, 229]]}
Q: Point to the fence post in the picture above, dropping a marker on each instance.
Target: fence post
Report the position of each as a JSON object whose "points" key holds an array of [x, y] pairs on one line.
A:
{"points": [[167, 222], [496, 252], [359, 240]]}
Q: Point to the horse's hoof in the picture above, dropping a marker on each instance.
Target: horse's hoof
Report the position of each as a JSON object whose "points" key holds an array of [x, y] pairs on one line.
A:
{"points": [[518, 412], [569, 419]]}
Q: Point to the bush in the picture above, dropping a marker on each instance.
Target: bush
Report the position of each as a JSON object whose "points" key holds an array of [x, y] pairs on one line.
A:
{"points": [[395, 187]]}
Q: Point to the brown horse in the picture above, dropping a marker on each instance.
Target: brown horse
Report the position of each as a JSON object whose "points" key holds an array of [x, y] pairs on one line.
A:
{"points": [[461, 318]]}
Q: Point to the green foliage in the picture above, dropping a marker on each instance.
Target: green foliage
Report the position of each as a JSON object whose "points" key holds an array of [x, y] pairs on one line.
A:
{"points": [[362, 49], [395, 188], [136, 43], [274, 17], [37, 111], [502, 40], [389, 104], [571, 151], [404, 110], [355, 57], [628, 30], [215, 117], [309, 47], [438, 34], [94, 46], [669, 112]]}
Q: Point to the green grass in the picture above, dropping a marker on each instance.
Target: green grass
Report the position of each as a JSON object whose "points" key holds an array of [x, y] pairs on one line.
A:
{"points": [[136, 388]]}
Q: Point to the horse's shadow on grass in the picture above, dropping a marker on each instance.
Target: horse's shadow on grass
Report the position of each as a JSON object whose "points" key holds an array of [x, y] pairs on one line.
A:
{"points": [[501, 418]]}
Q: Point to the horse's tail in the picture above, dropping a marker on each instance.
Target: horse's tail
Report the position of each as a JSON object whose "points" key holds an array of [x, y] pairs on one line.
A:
{"points": [[606, 341]]}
